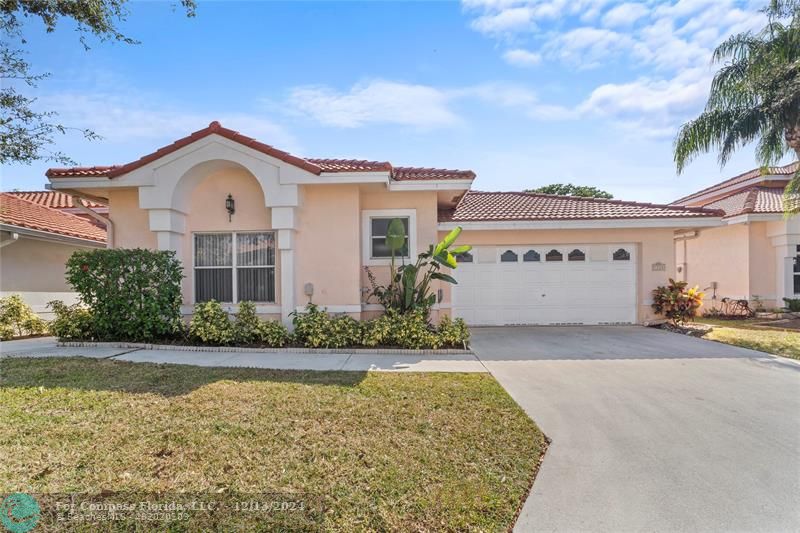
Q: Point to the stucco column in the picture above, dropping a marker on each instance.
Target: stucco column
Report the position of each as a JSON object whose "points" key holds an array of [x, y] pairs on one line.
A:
{"points": [[286, 250], [169, 226]]}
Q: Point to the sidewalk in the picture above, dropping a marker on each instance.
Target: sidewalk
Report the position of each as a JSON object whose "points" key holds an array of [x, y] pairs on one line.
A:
{"points": [[46, 347]]}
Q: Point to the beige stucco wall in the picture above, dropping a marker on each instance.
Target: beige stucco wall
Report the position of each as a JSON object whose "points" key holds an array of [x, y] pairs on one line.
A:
{"points": [[424, 203], [739, 257], [328, 245], [654, 245], [131, 224], [35, 270], [207, 212]]}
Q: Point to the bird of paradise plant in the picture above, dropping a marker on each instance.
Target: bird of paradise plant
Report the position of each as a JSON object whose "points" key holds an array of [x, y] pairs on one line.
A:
{"points": [[409, 287]]}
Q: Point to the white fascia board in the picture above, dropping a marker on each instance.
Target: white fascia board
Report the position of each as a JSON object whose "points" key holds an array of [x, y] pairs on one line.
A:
{"points": [[430, 185], [52, 237], [753, 217], [585, 224], [81, 183], [339, 178], [736, 186]]}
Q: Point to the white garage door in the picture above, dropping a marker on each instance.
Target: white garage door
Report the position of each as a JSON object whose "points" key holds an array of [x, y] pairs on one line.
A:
{"points": [[547, 284]]}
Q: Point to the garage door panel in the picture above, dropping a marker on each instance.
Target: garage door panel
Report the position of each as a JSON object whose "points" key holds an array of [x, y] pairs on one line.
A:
{"points": [[590, 292]]}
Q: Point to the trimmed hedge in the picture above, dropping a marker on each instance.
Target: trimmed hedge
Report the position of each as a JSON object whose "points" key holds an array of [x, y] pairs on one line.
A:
{"points": [[313, 328], [131, 294]]}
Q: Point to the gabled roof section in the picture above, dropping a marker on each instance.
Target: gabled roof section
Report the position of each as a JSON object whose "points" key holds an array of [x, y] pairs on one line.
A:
{"points": [[214, 128], [750, 200], [16, 211], [53, 199], [315, 166], [478, 206], [785, 170]]}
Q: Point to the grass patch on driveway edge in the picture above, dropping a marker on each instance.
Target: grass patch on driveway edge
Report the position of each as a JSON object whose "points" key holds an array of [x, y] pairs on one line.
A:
{"points": [[383, 451], [746, 334]]}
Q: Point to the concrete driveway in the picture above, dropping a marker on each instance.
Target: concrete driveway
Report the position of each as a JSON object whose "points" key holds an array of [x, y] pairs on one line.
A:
{"points": [[653, 431]]}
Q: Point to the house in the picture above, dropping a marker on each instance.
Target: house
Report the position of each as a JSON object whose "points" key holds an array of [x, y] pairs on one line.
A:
{"points": [[251, 222], [753, 255], [38, 233]]}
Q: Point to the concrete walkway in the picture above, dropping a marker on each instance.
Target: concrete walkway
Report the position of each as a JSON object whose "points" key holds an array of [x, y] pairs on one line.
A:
{"points": [[46, 347], [653, 431]]}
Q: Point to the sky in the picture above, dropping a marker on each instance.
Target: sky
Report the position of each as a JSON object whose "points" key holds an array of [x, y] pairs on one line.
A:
{"points": [[523, 92]]}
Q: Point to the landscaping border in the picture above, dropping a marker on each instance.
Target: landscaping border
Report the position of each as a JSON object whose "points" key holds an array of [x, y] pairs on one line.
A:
{"points": [[189, 348]]}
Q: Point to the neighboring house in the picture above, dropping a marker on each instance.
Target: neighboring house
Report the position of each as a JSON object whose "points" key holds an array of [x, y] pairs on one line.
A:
{"points": [[35, 243], [250, 222], [754, 254], [64, 203]]}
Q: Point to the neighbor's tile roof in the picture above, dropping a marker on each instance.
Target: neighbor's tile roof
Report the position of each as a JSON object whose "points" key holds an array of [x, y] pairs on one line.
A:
{"points": [[16, 211], [54, 199], [785, 170], [750, 200], [315, 166], [504, 206]]}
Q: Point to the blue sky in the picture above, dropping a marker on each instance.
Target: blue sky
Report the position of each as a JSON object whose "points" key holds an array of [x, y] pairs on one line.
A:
{"points": [[524, 92]]}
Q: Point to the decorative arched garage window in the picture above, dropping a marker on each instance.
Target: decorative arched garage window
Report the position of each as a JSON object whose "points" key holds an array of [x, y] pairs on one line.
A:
{"points": [[466, 257], [576, 255], [622, 255], [554, 255], [508, 257], [531, 256]]}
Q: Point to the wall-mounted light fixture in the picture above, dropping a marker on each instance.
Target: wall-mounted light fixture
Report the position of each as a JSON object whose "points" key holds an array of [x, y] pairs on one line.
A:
{"points": [[230, 205]]}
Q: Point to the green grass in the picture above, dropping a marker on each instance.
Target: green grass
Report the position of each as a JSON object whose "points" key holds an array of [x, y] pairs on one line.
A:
{"points": [[747, 334], [379, 451]]}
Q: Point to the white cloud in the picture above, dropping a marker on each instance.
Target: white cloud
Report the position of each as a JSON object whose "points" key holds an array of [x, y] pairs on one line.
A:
{"points": [[624, 15], [504, 21], [588, 47], [375, 102], [522, 58], [125, 115]]}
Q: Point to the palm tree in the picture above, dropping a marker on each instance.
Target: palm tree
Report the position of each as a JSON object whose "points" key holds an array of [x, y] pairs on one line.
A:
{"points": [[755, 96]]}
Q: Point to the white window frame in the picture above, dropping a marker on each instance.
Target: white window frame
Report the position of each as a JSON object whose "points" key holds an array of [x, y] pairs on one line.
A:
{"points": [[234, 263], [366, 234]]}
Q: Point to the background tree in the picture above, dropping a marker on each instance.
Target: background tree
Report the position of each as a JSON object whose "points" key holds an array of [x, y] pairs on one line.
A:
{"points": [[755, 96], [27, 133], [568, 189]]}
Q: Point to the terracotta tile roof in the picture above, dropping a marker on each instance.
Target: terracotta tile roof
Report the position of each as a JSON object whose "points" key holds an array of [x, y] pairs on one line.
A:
{"points": [[750, 200], [16, 211], [786, 170], [351, 165], [315, 166], [54, 199], [504, 206], [415, 173]]}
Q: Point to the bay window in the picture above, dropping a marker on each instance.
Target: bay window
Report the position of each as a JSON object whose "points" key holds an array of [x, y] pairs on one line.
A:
{"points": [[234, 267]]}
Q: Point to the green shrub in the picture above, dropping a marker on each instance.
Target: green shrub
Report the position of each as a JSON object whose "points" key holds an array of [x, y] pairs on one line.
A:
{"points": [[453, 333], [18, 319], [676, 302], [249, 329], [273, 334], [134, 295], [314, 328], [245, 327], [412, 331], [72, 322], [210, 325], [378, 331], [792, 304]]}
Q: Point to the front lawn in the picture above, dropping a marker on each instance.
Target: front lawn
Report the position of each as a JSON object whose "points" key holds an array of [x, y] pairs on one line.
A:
{"points": [[748, 334], [378, 451]]}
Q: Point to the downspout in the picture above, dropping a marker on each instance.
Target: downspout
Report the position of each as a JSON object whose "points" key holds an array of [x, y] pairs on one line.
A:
{"points": [[683, 237], [14, 238], [106, 221]]}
